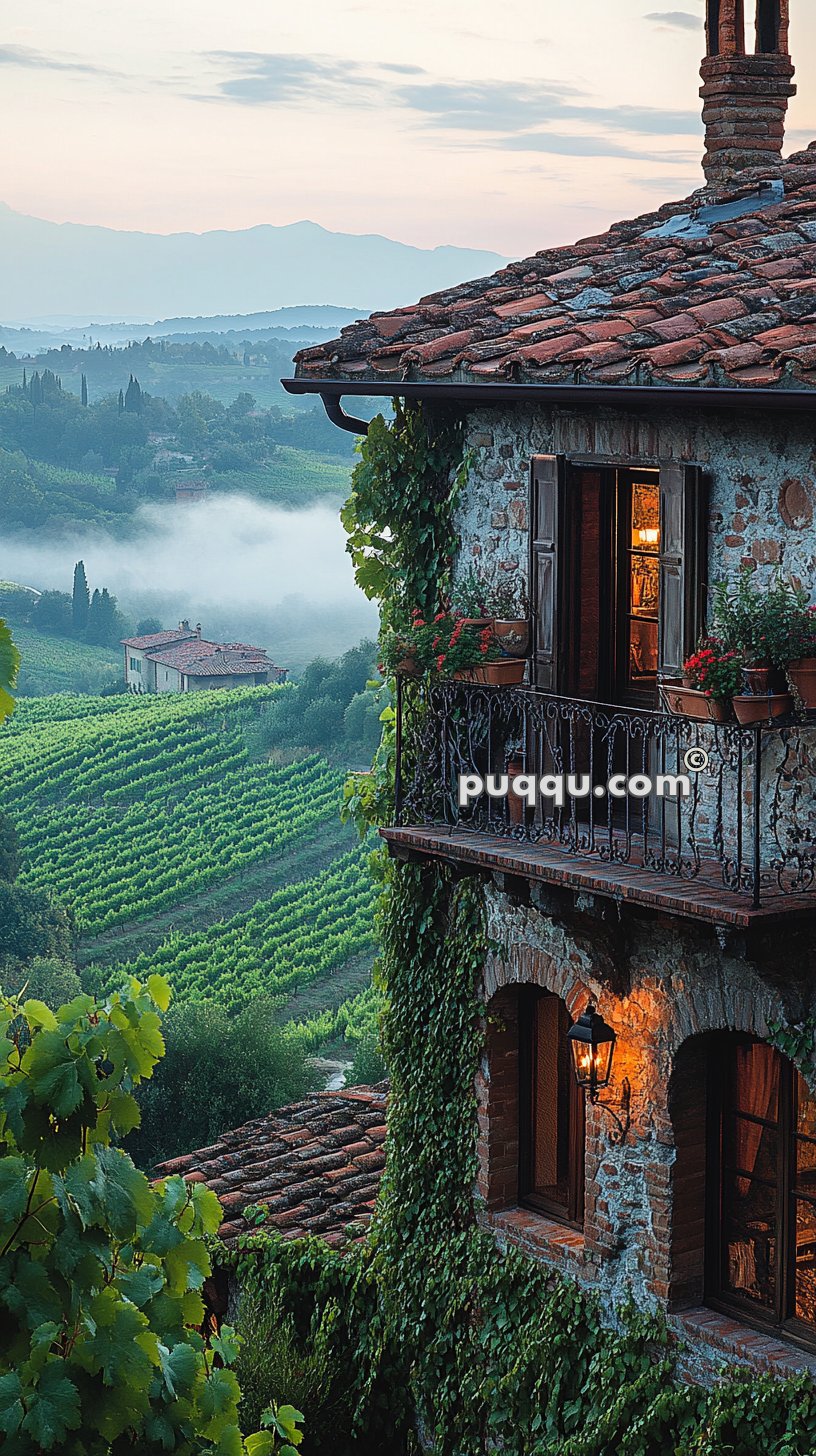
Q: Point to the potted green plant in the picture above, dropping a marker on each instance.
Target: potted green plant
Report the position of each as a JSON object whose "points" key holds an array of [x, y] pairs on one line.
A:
{"points": [[711, 677], [511, 623], [470, 600], [758, 622], [801, 669]]}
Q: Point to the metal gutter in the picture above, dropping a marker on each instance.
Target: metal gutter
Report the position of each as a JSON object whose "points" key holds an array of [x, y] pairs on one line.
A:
{"points": [[334, 409], [617, 396]]}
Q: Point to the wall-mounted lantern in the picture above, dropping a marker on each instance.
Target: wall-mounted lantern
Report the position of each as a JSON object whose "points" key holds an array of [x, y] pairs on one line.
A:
{"points": [[592, 1044]]}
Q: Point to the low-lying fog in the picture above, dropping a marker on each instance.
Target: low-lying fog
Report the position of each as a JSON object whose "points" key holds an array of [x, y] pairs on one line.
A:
{"points": [[247, 571]]}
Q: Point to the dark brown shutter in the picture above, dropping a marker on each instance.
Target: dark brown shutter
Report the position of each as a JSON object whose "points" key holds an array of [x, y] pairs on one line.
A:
{"points": [[546, 515], [682, 564]]}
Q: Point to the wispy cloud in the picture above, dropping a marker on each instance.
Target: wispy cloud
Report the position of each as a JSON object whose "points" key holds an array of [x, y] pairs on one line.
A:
{"points": [[25, 58], [514, 114], [675, 19]]}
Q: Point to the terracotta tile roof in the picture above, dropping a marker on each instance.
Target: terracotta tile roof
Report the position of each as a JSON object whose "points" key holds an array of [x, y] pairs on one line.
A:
{"points": [[717, 290], [197, 657], [158, 639], [231, 662], [316, 1165]]}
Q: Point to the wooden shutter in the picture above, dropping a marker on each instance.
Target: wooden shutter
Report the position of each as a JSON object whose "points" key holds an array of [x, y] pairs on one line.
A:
{"points": [[682, 565], [548, 473]]}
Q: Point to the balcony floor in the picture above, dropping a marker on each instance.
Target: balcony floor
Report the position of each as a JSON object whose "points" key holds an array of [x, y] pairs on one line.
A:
{"points": [[698, 899]]}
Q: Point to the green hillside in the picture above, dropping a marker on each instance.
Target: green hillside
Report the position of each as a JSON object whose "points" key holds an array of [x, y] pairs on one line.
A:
{"points": [[172, 846], [52, 664]]}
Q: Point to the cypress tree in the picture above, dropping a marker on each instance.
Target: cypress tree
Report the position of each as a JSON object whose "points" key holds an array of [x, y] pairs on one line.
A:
{"points": [[121, 402], [84, 390], [81, 598], [133, 396]]}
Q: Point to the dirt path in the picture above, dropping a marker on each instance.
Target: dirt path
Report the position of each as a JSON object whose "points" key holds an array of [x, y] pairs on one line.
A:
{"points": [[220, 901]]}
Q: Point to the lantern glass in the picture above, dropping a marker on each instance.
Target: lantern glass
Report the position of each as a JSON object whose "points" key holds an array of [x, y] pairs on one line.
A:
{"points": [[592, 1044]]}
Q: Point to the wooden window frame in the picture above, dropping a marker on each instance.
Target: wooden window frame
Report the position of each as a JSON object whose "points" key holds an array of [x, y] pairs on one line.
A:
{"points": [[551, 579], [571, 1213], [777, 1321]]}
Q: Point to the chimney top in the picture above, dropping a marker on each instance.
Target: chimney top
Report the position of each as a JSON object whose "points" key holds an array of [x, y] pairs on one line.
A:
{"points": [[745, 94]]}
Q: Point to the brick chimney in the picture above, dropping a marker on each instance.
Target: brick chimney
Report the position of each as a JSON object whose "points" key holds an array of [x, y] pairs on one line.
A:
{"points": [[745, 96]]}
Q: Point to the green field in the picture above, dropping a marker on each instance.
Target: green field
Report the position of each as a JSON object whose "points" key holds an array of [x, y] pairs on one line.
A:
{"points": [[291, 477], [52, 664], [178, 852]]}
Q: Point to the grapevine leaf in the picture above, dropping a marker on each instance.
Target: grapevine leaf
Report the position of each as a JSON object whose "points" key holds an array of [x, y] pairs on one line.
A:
{"points": [[54, 1408], [11, 1404]]}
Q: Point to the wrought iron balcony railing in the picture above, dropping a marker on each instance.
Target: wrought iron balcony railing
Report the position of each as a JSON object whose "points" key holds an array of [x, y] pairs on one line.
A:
{"points": [[747, 823]]}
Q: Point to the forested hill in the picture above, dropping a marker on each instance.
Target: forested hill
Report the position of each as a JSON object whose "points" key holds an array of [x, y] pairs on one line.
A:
{"points": [[67, 459]]}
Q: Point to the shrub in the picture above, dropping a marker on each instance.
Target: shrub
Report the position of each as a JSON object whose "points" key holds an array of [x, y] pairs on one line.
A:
{"points": [[219, 1071], [274, 1359]]}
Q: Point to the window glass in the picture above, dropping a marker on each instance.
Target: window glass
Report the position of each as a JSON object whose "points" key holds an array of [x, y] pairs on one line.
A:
{"points": [[751, 1166], [764, 1218], [553, 1161]]}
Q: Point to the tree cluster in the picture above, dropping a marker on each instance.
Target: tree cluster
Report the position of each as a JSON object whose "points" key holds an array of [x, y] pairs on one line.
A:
{"points": [[94, 619]]}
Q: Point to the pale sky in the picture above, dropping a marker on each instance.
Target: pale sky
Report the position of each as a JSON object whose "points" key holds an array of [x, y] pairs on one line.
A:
{"points": [[508, 125]]}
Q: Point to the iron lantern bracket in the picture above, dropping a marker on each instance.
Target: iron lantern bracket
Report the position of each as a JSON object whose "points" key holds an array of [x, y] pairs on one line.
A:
{"points": [[622, 1124]]}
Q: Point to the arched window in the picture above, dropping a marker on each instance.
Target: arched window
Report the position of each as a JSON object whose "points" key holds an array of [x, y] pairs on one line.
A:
{"points": [[761, 1244], [551, 1111]]}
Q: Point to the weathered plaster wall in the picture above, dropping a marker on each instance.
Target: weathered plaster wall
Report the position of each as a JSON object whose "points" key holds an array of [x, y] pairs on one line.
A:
{"points": [[762, 480], [659, 986]]}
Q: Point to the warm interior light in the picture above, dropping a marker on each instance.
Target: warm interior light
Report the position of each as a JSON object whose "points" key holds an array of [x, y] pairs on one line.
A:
{"points": [[592, 1044], [649, 535]]}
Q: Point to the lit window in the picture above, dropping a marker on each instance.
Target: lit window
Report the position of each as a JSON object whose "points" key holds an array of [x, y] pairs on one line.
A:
{"points": [[552, 1111]]}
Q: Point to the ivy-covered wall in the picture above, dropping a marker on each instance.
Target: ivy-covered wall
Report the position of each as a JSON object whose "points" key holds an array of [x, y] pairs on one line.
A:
{"points": [[456, 1342]]}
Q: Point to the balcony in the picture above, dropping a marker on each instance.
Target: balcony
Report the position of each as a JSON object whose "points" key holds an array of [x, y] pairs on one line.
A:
{"points": [[737, 849]]}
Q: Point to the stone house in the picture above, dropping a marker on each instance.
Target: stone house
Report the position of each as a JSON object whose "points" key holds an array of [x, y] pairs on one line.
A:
{"points": [[182, 661], [638, 413]]}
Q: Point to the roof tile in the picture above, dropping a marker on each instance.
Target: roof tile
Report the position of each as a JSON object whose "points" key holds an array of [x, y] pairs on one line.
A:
{"points": [[315, 1165], [621, 305]]}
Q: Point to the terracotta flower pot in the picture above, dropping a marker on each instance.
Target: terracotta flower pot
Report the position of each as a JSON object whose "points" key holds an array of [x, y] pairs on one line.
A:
{"points": [[691, 703], [408, 667], [508, 671], [479, 622], [760, 681], [512, 636], [751, 708], [802, 674]]}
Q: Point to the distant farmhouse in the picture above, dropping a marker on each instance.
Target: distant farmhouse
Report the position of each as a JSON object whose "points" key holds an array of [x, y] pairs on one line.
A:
{"points": [[190, 491], [182, 661]]}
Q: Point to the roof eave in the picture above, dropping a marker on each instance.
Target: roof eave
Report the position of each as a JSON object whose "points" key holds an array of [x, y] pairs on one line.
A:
{"points": [[618, 396]]}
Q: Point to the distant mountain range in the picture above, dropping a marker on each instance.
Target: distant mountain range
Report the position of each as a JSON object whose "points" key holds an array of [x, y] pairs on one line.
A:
{"points": [[306, 325], [53, 270]]}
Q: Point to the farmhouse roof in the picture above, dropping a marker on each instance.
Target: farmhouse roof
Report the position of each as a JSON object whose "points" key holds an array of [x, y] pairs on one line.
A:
{"points": [[315, 1166], [716, 290], [231, 661], [158, 639]]}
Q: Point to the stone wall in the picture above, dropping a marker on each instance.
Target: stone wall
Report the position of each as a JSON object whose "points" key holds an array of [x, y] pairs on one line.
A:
{"points": [[762, 475], [663, 986]]}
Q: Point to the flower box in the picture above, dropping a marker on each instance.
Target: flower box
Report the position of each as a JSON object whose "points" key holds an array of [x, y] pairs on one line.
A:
{"points": [[506, 672], [691, 703], [751, 708]]}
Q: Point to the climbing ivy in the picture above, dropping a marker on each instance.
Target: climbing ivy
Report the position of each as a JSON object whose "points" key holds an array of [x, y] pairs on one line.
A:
{"points": [[443, 1333], [399, 516]]}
